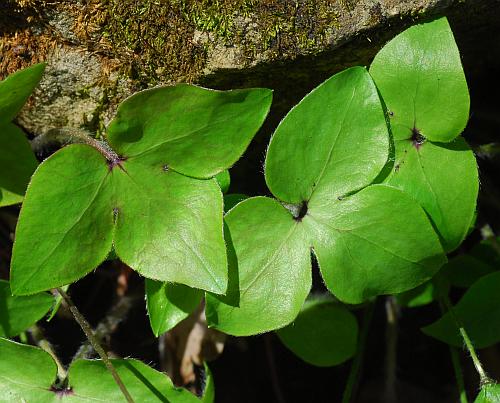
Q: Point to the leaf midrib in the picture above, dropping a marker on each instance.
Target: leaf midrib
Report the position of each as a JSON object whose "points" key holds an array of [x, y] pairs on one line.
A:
{"points": [[271, 259], [184, 135], [352, 232], [334, 144], [145, 192], [94, 197]]}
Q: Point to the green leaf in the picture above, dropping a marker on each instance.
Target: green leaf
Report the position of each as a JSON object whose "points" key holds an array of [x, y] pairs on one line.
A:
{"points": [[16, 89], [17, 161], [464, 270], [419, 296], [169, 303], [478, 310], [378, 241], [27, 374], [195, 131], [269, 270], [322, 148], [209, 390], [57, 303], [17, 164], [224, 180], [443, 178], [369, 242], [232, 200], [8, 198], [90, 380], [164, 225], [420, 77], [19, 313], [489, 393], [324, 334]]}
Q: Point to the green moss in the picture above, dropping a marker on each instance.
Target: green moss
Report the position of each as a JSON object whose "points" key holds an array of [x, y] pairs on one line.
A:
{"points": [[153, 40]]}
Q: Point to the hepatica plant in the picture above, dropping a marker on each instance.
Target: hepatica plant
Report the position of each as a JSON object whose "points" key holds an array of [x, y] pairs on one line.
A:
{"points": [[149, 193], [370, 178], [368, 239], [420, 77]]}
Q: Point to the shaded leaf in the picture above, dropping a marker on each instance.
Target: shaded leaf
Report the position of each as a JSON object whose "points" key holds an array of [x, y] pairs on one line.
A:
{"points": [[232, 200], [224, 180], [464, 270], [57, 303], [16, 89], [17, 161], [18, 313], [17, 164], [169, 303], [478, 310], [323, 334], [419, 296]]}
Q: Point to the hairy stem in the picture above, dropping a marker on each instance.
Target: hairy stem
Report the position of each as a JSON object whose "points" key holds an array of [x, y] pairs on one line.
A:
{"points": [[484, 379], [63, 136], [87, 329], [108, 325], [354, 373]]}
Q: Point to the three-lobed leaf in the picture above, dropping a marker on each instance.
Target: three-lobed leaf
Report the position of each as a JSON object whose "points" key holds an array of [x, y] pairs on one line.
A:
{"points": [[420, 77], [369, 242], [28, 373], [323, 334], [162, 223], [19, 313]]}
